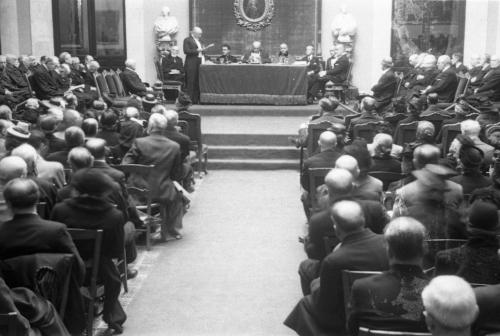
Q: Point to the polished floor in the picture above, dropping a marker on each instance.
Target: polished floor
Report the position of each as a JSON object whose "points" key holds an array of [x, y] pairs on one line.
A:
{"points": [[235, 271]]}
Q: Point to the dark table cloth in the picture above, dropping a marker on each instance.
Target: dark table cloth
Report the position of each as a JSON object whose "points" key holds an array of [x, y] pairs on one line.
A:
{"points": [[250, 84]]}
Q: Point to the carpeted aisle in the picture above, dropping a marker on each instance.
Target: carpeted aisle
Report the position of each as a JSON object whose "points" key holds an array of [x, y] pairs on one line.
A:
{"points": [[235, 271]]}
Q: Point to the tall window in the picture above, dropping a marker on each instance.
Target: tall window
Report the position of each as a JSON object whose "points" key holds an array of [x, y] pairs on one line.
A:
{"points": [[95, 27], [435, 26]]}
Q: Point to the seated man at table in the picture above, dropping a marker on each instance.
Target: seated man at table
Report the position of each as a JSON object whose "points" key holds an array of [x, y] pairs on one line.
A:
{"points": [[283, 54], [226, 57], [256, 55]]}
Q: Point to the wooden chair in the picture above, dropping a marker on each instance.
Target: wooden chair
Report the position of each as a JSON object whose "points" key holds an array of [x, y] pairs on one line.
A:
{"points": [[436, 119], [9, 321], [194, 129], [348, 118], [316, 178], [449, 133], [386, 177], [93, 292], [406, 133], [313, 133], [365, 131], [141, 194], [348, 278], [168, 85], [367, 332], [184, 127], [121, 265], [339, 89], [47, 274]]}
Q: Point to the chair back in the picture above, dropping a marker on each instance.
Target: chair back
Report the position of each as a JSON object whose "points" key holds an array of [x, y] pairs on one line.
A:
{"points": [[386, 177], [316, 178], [367, 332], [348, 118], [407, 133], [157, 63], [93, 238], [8, 322], [399, 82], [42, 210], [436, 119], [46, 274], [463, 84], [365, 131], [194, 127], [120, 90], [184, 127], [449, 133], [110, 83], [348, 278], [101, 82], [313, 133]]}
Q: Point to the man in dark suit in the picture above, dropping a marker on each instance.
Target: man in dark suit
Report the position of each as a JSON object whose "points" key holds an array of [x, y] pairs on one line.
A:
{"points": [[457, 63], [490, 86], [73, 137], [256, 55], [337, 69], [445, 83], [165, 155], [368, 115], [385, 88], [488, 300], [392, 300], [194, 51], [172, 66], [46, 85], [132, 83], [26, 233], [226, 57], [361, 249], [14, 80], [382, 158], [313, 67]]}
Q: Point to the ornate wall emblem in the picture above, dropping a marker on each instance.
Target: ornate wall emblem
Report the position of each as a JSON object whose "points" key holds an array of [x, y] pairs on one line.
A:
{"points": [[253, 14]]}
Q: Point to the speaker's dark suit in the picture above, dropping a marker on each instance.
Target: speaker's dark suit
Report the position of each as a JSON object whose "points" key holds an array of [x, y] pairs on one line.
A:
{"points": [[132, 82], [323, 309], [192, 68]]}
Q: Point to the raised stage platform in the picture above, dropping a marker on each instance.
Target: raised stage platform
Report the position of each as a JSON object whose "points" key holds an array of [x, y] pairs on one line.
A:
{"points": [[252, 136]]}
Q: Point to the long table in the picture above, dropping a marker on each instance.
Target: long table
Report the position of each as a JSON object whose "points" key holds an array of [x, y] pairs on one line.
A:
{"points": [[266, 84]]}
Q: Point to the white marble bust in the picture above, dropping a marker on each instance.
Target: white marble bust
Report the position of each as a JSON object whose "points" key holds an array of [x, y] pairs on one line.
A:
{"points": [[166, 26], [344, 26]]}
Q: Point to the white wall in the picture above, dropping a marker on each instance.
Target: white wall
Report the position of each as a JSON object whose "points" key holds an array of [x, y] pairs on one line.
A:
{"points": [[140, 16], [373, 38]]}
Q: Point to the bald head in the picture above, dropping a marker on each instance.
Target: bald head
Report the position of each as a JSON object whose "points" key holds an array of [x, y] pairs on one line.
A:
{"points": [[12, 167], [348, 163], [443, 62], [425, 154], [339, 183], [28, 154], [21, 194], [130, 63], [196, 32], [383, 144], [131, 112], [405, 237], [327, 140], [368, 104], [80, 158], [347, 217], [97, 148]]}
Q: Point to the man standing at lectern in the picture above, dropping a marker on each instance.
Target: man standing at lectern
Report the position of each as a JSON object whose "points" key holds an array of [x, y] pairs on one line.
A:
{"points": [[194, 57]]}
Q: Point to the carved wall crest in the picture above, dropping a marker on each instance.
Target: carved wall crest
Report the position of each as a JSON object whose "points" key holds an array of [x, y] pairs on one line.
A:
{"points": [[254, 15]]}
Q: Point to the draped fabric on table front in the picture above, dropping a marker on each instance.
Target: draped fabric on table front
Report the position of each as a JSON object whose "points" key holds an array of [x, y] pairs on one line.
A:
{"points": [[253, 84]]}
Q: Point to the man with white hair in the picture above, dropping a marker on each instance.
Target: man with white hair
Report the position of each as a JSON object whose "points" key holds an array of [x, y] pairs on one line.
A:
{"points": [[383, 159], [385, 88], [471, 129], [132, 83], [490, 85], [14, 80], [450, 306], [194, 50], [171, 65], [426, 76], [256, 55], [445, 83], [155, 149], [392, 300], [46, 85]]}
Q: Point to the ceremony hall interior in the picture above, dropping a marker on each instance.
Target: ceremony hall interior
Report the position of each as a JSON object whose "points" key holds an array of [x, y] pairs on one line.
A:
{"points": [[250, 167]]}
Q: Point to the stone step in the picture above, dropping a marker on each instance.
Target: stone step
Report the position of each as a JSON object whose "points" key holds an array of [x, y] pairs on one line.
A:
{"points": [[249, 164], [246, 110], [254, 152], [251, 125], [247, 140]]}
